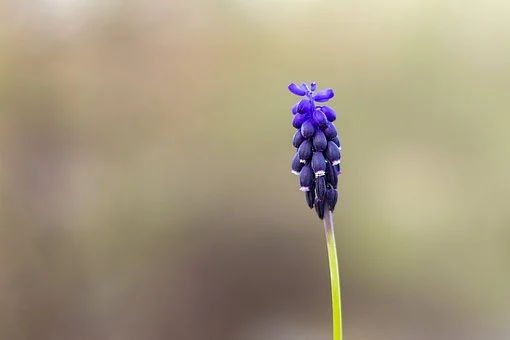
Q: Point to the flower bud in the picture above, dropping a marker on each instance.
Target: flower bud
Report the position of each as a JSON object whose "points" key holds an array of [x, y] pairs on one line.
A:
{"points": [[297, 139], [331, 175], [297, 90], [338, 168], [332, 153], [318, 164], [304, 106], [336, 140], [331, 198], [320, 118], [324, 95], [330, 131], [299, 119], [310, 197], [305, 151], [307, 129], [306, 178], [319, 141], [294, 108], [320, 187], [319, 207], [296, 164], [329, 112]]}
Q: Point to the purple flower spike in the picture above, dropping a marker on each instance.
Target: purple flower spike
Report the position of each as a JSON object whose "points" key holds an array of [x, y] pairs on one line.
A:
{"points": [[307, 129], [297, 90], [317, 160], [324, 95]]}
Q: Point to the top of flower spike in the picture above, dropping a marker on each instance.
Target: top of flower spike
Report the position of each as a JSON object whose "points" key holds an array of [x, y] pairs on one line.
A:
{"points": [[303, 90]]}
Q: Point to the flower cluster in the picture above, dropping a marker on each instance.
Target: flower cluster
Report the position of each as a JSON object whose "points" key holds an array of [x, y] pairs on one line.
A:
{"points": [[317, 158]]}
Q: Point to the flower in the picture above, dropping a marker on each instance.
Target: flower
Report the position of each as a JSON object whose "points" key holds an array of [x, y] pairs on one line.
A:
{"points": [[318, 149]]}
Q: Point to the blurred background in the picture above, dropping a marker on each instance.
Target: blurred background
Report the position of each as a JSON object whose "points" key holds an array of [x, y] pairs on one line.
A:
{"points": [[145, 185]]}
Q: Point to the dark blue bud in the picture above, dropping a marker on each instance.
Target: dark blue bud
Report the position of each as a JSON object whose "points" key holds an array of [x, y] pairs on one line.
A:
{"points": [[319, 208], [330, 131], [320, 118], [331, 198], [297, 165], [304, 106], [324, 95], [321, 187], [313, 86], [294, 108], [297, 90], [329, 112], [307, 129], [332, 153], [318, 164], [338, 169], [306, 178], [310, 197], [331, 175], [299, 119], [298, 138], [305, 151], [319, 141], [336, 140]]}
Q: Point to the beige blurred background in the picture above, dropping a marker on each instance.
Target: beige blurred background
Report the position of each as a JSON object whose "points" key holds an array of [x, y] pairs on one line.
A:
{"points": [[145, 186]]}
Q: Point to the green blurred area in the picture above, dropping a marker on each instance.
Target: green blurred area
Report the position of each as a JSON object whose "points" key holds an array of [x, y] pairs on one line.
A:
{"points": [[145, 186]]}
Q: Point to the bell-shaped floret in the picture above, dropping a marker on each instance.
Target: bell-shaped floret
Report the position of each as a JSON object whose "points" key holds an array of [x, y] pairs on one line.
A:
{"points": [[319, 141], [332, 198], [306, 178], [320, 207], [305, 151], [318, 164]]}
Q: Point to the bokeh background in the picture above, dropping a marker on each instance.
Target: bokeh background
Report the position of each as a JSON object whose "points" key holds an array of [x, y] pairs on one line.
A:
{"points": [[145, 186]]}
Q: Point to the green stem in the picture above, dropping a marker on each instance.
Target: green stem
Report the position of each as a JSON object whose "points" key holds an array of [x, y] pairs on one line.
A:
{"points": [[336, 301]]}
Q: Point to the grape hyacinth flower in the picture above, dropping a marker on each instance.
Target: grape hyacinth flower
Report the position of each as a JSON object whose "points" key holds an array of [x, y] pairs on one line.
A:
{"points": [[317, 163], [317, 158]]}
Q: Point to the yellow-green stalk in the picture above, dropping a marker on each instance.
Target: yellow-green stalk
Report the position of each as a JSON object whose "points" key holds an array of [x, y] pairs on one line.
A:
{"points": [[336, 300]]}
